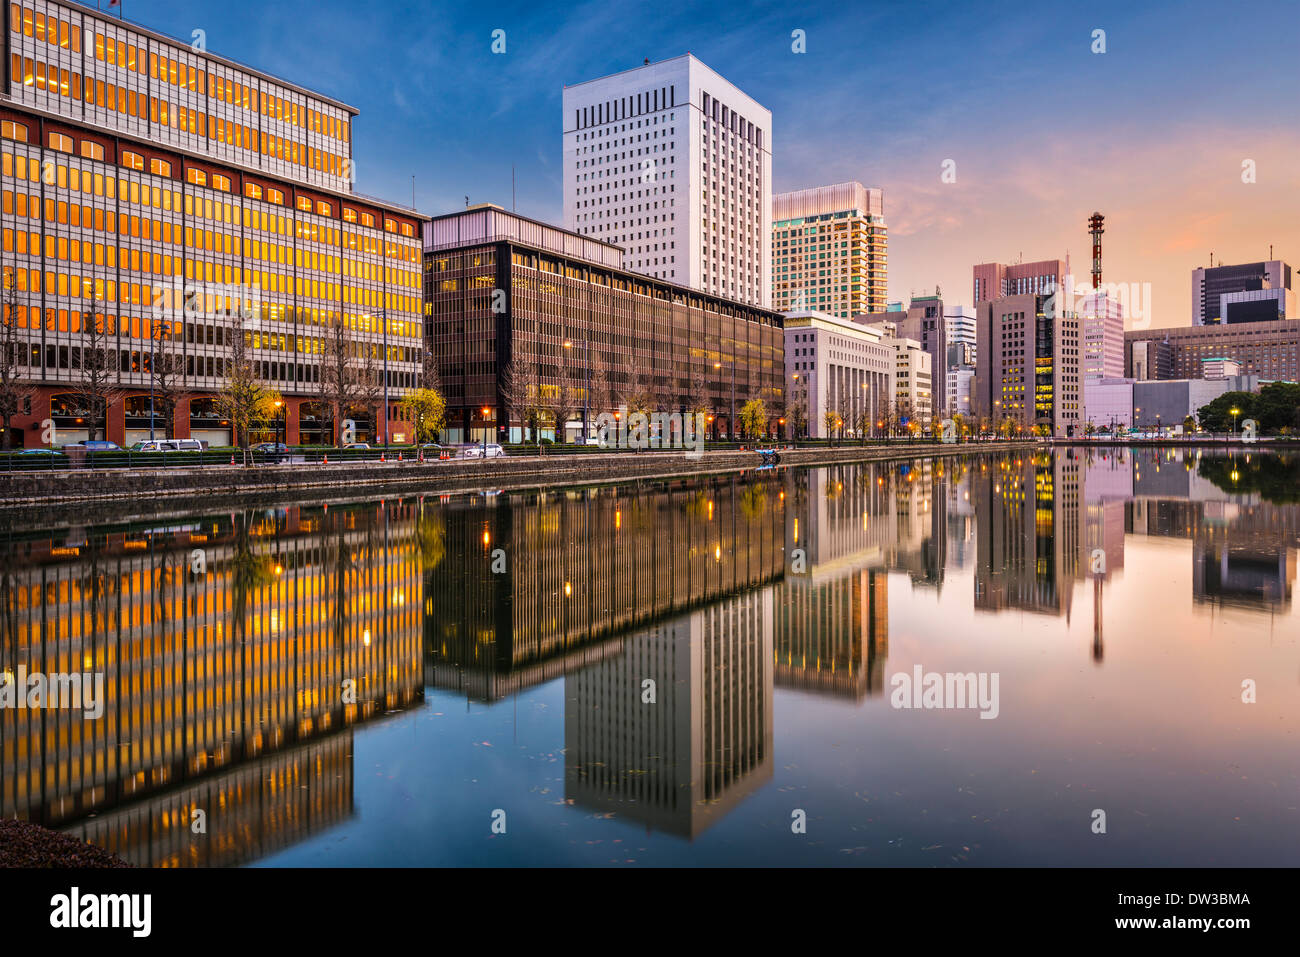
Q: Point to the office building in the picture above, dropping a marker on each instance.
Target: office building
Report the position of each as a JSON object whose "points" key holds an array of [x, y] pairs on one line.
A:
{"points": [[1029, 365], [997, 280], [163, 201], [930, 321], [673, 164], [1270, 279], [830, 250], [1103, 336], [834, 366], [510, 299], [913, 385], [1270, 350]]}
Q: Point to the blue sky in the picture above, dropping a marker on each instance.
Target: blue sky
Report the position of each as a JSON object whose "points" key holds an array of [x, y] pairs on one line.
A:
{"points": [[1043, 131]]}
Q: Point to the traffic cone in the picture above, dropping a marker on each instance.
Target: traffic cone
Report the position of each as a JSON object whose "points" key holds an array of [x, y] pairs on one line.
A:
{"points": [[382, 458], [399, 456], [232, 458], [421, 455], [327, 460]]}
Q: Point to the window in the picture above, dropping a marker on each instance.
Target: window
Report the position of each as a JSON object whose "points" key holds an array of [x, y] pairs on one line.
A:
{"points": [[349, 215], [132, 160], [367, 219], [252, 191], [92, 150], [13, 131], [408, 229], [221, 182], [324, 208], [196, 176], [304, 204], [57, 141], [160, 167], [390, 225], [275, 196]]}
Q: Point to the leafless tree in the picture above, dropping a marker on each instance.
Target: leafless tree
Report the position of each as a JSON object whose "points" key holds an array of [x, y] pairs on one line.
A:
{"points": [[167, 370], [521, 394], [15, 391], [338, 386], [369, 378], [96, 387]]}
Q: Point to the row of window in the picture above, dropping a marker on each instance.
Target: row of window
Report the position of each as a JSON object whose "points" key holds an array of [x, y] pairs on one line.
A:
{"points": [[69, 83], [49, 29]]}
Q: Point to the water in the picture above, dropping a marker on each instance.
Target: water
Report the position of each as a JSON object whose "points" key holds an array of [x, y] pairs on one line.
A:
{"points": [[682, 673]]}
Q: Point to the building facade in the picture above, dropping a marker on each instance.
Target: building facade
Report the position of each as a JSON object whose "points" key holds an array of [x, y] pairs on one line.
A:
{"points": [[931, 322], [1029, 365], [673, 164], [996, 280], [1210, 285], [505, 294], [836, 366], [913, 385], [1270, 350], [163, 201], [830, 250]]}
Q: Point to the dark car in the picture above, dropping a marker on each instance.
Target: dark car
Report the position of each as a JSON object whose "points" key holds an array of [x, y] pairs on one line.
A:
{"points": [[98, 445], [279, 447], [40, 452]]}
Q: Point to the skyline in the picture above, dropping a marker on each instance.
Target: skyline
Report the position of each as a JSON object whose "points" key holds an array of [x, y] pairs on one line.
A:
{"points": [[1169, 200]]}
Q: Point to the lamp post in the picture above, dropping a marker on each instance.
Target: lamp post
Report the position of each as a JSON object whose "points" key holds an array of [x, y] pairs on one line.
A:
{"points": [[1235, 412], [486, 411], [278, 405], [586, 396]]}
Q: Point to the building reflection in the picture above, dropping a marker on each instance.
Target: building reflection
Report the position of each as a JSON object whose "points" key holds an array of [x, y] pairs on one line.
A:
{"points": [[676, 729], [544, 581], [223, 642]]}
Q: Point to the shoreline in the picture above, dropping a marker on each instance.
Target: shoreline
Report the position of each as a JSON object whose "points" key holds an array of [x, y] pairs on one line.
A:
{"points": [[76, 496]]}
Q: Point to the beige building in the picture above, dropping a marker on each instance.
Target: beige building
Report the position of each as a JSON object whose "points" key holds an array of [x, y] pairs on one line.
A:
{"points": [[913, 385], [830, 250], [835, 365]]}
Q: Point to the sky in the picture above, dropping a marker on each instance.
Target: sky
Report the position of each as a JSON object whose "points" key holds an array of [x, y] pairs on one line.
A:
{"points": [[1041, 130]]}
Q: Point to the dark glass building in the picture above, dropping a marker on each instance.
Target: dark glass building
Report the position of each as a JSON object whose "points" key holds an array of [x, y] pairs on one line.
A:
{"points": [[503, 289]]}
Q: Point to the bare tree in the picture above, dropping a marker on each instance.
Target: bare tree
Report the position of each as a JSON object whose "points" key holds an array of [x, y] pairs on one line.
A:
{"points": [[15, 392], [636, 393], [521, 394], [167, 370], [96, 387], [338, 386], [244, 400], [429, 376], [369, 379], [598, 393]]}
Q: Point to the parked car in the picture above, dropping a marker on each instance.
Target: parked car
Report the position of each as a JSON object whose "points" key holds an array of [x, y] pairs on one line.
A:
{"points": [[490, 451], [185, 445], [363, 446], [39, 452], [150, 445], [276, 447], [96, 445]]}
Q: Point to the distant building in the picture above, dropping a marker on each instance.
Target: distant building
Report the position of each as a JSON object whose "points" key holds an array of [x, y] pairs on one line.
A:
{"points": [[673, 163], [913, 384], [830, 250], [1270, 350], [1210, 285], [930, 321], [1029, 364], [996, 280], [1108, 404], [1103, 336], [833, 364], [1220, 368], [1166, 403], [958, 391]]}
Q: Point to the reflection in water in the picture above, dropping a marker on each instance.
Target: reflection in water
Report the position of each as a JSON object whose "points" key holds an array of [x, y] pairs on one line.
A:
{"points": [[246, 654]]}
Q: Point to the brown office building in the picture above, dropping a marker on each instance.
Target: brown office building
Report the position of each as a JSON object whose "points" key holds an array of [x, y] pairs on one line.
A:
{"points": [[1270, 350], [502, 288]]}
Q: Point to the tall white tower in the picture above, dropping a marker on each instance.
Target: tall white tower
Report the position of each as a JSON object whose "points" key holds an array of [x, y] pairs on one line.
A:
{"points": [[674, 164]]}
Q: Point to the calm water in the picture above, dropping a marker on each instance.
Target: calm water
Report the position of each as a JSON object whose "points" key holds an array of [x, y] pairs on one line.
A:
{"points": [[677, 673]]}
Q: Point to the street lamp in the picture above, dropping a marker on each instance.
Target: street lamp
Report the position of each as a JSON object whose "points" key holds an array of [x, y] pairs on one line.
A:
{"points": [[1235, 412], [486, 411]]}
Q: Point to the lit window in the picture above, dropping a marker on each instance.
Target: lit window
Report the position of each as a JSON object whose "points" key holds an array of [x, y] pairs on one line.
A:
{"points": [[132, 160], [349, 215], [221, 182], [92, 150], [304, 204], [367, 219], [390, 225], [160, 167], [252, 190], [57, 141], [196, 176], [275, 196], [13, 131], [324, 208]]}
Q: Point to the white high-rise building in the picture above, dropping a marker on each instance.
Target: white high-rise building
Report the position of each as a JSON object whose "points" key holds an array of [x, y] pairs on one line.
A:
{"points": [[674, 164]]}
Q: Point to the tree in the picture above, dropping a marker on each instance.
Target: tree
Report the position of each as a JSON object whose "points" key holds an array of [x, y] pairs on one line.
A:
{"points": [[338, 385], [562, 404], [244, 400], [1218, 417], [797, 413], [96, 386], [862, 423], [519, 388], [369, 379], [427, 410], [1279, 407], [753, 418], [636, 393], [15, 392], [598, 392], [167, 370]]}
